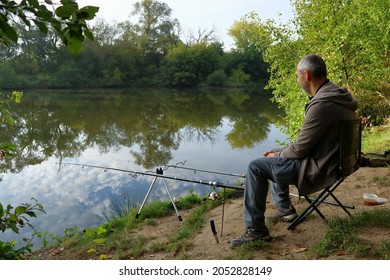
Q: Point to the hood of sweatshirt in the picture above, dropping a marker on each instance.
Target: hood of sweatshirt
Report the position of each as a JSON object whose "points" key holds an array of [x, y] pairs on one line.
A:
{"points": [[330, 92]]}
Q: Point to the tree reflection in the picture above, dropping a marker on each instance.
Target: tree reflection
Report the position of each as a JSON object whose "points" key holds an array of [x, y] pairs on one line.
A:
{"points": [[152, 124]]}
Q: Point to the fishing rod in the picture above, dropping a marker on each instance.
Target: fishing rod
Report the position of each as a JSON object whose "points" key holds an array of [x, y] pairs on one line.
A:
{"points": [[195, 170], [159, 174]]}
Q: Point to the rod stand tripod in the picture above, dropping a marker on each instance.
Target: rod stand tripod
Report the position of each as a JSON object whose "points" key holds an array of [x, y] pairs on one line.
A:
{"points": [[159, 171]]}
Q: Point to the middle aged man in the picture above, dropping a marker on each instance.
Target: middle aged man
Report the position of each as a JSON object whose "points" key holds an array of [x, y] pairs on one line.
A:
{"points": [[310, 162]]}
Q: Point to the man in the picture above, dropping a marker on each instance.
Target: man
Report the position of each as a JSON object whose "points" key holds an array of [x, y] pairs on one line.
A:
{"points": [[310, 163]]}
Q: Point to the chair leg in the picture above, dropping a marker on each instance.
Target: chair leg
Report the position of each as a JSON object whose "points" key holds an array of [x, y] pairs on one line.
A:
{"points": [[314, 203], [341, 205], [312, 207]]}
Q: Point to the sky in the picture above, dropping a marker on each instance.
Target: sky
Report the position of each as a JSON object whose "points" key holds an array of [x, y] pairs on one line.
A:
{"points": [[218, 15]]}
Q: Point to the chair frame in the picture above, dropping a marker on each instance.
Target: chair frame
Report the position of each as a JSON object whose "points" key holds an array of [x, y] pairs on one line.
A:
{"points": [[348, 130]]}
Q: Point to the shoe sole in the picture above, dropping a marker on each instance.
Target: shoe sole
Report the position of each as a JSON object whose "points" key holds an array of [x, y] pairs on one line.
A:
{"points": [[288, 218], [267, 238]]}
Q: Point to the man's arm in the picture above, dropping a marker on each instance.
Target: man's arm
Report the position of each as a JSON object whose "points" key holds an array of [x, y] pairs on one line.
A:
{"points": [[315, 125]]}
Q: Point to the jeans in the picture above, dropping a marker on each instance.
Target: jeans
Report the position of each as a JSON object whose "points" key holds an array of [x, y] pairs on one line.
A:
{"points": [[282, 172]]}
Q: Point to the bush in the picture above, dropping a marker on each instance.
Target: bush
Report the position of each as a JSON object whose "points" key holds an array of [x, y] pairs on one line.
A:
{"points": [[14, 219], [217, 79]]}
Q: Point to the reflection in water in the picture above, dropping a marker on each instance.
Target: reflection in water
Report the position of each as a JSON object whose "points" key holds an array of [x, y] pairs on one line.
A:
{"points": [[138, 130]]}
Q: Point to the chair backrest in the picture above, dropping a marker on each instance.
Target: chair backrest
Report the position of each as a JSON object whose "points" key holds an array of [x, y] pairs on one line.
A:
{"points": [[350, 146]]}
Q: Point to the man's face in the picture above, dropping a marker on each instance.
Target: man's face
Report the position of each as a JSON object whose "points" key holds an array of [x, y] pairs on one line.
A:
{"points": [[302, 81]]}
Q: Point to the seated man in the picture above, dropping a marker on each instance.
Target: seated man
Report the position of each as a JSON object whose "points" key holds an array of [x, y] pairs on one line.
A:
{"points": [[310, 163]]}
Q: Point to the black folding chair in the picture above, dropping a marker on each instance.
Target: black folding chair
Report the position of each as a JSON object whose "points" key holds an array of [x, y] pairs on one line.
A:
{"points": [[349, 162]]}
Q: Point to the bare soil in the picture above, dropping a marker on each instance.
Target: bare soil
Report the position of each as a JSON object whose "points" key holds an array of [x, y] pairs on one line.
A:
{"points": [[286, 244]]}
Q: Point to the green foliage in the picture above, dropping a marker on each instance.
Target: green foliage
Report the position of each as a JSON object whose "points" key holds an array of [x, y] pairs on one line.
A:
{"points": [[68, 21], [129, 53], [376, 139], [188, 66], [8, 77], [351, 36], [238, 77], [354, 41], [217, 79], [156, 30], [97, 235], [120, 206], [6, 117], [189, 200], [13, 219]]}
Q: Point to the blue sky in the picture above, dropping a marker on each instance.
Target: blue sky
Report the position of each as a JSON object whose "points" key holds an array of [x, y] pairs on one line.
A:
{"points": [[201, 14]]}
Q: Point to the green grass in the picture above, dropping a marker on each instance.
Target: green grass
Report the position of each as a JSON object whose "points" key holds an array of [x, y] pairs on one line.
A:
{"points": [[116, 237], [346, 236], [376, 139]]}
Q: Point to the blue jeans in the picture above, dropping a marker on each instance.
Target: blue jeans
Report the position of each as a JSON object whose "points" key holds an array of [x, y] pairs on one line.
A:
{"points": [[282, 172]]}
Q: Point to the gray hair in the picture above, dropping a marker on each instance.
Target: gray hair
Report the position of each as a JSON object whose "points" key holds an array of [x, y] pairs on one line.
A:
{"points": [[314, 64]]}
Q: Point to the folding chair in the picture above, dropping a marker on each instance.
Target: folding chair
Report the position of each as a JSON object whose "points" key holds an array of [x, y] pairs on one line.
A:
{"points": [[350, 152]]}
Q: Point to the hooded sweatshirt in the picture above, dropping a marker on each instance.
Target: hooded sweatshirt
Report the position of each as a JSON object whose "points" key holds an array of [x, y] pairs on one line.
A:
{"points": [[317, 143]]}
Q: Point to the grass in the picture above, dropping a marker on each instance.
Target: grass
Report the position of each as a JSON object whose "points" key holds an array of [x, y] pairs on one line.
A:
{"points": [[122, 238], [376, 139], [347, 237]]}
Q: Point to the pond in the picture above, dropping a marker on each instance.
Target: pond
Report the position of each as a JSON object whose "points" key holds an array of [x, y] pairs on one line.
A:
{"points": [[135, 130]]}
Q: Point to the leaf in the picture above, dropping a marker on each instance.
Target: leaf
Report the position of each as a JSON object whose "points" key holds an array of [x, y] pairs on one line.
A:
{"points": [[103, 257], [99, 240], [89, 232], [9, 32], [31, 214], [92, 250], [8, 119], [74, 45], [20, 210], [42, 27], [65, 12], [33, 3], [87, 12], [1, 210], [89, 34], [13, 227], [101, 230]]}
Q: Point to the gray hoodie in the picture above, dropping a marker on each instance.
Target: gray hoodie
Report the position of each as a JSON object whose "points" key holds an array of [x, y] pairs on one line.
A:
{"points": [[317, 143]]}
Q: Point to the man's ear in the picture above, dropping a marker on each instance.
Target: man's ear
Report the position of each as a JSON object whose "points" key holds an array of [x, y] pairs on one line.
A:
{"points": [[307, 76]]}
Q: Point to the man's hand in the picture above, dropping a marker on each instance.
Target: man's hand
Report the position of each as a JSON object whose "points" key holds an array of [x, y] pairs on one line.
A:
{"points": [[271, 153]]}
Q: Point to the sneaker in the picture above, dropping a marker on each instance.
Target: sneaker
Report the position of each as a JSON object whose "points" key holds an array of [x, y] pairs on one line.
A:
{"points": [[251, 235], [288, 216]]}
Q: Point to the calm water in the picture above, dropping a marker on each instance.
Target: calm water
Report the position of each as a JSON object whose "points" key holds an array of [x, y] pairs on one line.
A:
{"points": [[134, 130]]}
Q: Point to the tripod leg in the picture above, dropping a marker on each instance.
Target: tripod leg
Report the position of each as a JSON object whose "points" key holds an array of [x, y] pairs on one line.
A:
{"points": [[174, 205], [146, 197], [223, 209]]}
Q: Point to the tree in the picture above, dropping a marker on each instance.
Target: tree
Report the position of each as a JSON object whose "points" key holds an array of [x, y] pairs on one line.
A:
{"points": [[67, 20], [188, 66], [354, 40], [155, 31], [245, 56], [203, 36], [351, 36]]}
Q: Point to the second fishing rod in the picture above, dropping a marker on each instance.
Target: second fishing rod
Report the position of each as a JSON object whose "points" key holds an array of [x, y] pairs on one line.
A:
{"points": [[159, 174], [180, 165]]}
